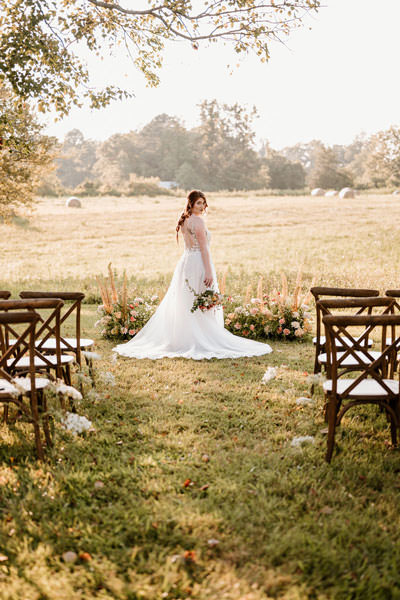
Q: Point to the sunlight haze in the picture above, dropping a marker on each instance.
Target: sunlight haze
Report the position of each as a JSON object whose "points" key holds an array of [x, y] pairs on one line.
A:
{"points": [[332, 82]]}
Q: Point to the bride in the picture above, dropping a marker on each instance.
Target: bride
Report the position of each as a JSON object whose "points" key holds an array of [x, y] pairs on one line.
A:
{"points": [[174, 331]]}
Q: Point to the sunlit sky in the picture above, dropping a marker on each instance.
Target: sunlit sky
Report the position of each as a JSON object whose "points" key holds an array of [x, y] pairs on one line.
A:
{"points": [[330, 83]]}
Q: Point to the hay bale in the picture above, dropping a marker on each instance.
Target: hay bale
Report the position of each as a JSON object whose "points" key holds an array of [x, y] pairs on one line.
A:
{"points": [[73, 202], [331, 193], [347, 193], [318, 192]]}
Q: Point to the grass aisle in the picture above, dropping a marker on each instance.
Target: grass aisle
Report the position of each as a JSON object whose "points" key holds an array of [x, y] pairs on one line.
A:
{"points": [[189, 488]]}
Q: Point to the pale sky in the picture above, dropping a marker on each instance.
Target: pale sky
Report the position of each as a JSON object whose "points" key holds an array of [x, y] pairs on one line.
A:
{"points": [[330, 83]]}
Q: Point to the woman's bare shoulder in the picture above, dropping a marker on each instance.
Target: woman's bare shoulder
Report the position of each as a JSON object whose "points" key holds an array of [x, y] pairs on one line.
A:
{"points": [[196, 221]]}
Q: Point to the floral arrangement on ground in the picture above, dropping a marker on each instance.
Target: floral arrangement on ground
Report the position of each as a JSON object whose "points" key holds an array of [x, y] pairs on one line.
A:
{"points": [[267, 315], [120, 318], [273, 315]]}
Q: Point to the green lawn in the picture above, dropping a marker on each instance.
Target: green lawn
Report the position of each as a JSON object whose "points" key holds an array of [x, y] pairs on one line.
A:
{"points": [[189, 486]]}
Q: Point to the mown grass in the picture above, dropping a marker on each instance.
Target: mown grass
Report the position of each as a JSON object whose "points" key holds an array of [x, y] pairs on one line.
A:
{"points": [[288, 525]]}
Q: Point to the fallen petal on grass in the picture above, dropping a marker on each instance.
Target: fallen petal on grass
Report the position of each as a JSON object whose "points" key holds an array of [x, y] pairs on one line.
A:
{"points": [[304, 401], [69, 556], [269, 374], [302, 439]]}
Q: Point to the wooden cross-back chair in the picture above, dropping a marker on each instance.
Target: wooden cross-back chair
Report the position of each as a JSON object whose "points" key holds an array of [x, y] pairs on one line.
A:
{"points": [[320, 292], [4, 294], [395, 294], [68, 344], [375, 382], [18, 360], [356, 306], [29, 387]]}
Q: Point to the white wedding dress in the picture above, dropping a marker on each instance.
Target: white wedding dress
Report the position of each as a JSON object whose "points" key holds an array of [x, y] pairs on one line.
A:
{"points": [[174, 331]]}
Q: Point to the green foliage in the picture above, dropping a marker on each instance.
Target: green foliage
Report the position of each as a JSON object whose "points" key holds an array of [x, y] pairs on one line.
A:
{"points": [[25, 154], [326, 172], [219, 154], [283, 173], [39, 39], [382, 166], [227, 159]]}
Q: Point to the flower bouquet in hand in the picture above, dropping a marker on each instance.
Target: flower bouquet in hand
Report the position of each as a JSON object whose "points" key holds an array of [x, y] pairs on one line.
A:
{"points": [[206, 300]]}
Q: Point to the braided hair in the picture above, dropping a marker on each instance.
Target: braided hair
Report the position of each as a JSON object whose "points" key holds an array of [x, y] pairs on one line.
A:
{"points": [[191, 200]]}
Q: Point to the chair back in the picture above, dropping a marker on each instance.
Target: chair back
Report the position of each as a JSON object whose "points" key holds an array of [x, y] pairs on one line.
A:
{"points": [[25, 341], [338, 331], [47, 325], [75, 298], [357, 306], [334, 292], [394, 294]]}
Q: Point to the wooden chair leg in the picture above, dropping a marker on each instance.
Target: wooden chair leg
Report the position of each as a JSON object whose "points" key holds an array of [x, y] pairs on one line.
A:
{"points": [[5, 414], [67, 375], [332, 416], [36, 428], [46, 425]]}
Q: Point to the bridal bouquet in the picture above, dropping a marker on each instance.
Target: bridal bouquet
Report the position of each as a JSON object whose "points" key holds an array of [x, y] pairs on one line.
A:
{"points": [[205, 300]]}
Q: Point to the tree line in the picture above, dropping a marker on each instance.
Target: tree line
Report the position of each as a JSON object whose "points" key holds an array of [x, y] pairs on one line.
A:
{"points": [[219, 154]]}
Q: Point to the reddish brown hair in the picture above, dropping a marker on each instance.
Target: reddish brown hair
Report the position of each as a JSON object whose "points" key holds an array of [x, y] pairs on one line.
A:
{"points": [[191, 200]]}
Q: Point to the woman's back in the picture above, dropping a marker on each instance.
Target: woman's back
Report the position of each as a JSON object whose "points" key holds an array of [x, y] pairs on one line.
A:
{"points": [[189, 232]]}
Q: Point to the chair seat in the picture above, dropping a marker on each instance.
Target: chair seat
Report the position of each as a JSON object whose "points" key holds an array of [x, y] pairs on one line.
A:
{"points": [[8, 389], [367, 387], [322, 341], [23, 362], [350, 361], [50, 344]]}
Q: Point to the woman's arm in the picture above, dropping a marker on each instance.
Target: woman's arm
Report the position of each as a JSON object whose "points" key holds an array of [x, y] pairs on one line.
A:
{"points": [[201, 235]]}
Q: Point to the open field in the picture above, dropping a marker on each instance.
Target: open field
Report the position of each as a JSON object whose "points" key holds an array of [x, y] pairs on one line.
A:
{"points": [[258, 519], [353, 241]]}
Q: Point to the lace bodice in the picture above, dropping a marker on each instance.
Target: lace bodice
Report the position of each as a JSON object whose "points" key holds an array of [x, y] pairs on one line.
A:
{"points": [[189, 235]]}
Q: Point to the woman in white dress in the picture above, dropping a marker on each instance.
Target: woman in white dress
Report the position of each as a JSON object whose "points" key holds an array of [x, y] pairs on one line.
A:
{"points": [[174, 331]]}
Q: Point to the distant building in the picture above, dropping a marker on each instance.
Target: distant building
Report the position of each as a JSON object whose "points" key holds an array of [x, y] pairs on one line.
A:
{"points": [[168, 185]]}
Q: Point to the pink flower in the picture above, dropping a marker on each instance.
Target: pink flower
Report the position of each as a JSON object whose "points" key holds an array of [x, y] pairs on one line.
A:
{"points": [[132, 331], [245, 332], [286, 331], [132, 319], [117, 315], [237, 325], [254, 310], [252, 327], [282, 321], [279, 330]]}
